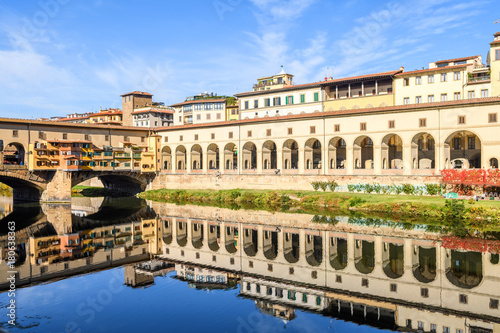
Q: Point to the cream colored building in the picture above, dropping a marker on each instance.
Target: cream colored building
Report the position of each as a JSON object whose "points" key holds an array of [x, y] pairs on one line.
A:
{"points": [[200, 109]]}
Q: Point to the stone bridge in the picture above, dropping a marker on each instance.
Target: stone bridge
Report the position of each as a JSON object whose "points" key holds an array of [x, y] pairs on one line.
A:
{"points": [[55, 186]]}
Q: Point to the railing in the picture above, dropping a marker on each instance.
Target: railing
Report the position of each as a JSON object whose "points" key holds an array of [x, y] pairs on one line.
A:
{"points": [[479, 79], [13, 167]]}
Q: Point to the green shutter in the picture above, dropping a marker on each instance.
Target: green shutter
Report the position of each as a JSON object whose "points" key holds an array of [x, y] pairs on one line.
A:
{"points": [[292, 100], [286, 100], [316, 97], [302, 98]]}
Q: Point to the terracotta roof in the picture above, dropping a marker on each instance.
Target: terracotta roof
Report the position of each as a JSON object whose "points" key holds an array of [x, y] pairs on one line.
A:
{"points": [[495, 42], [65, 124], [142, 93], [432, 69], [69, 141], [395, 108], [318, 84], [154, 110], [497, 34], [200, 101], [457, 59]]}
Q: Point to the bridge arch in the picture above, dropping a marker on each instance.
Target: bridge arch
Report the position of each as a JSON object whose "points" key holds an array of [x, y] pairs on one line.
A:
{"points": [[14, 153]]}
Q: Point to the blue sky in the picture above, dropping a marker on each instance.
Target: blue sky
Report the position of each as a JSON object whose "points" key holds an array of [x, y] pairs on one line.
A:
{"points": [[64, 56]]}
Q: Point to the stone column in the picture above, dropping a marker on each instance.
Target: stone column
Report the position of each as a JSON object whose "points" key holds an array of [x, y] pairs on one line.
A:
{"points": [[407, 165], [58, 188], [377, 159]]}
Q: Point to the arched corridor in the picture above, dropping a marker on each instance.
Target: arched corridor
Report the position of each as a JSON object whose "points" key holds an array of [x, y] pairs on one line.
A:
{"points": [[423, 151], [313, 154], [269, 155], [290, 155], [462, 150], [337, 154], [363, 153]]}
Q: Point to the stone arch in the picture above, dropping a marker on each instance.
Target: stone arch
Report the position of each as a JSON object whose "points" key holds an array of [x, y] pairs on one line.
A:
{"points": [[364, 256], [463, 149], [337, 153], [464, 269], [249, 156], [393, 260], [313, 154], [214, 237], [290, 154], [196, 157], [250, 242], [291, 247], [270, 244], [423, 151], [424, 263], [392, 152], [231, 239], [314, 249], [14, 153], [181, 232], [269, 155], [166, 158], [338, 253], [230, 156], [180, 158], [213, 157], [363, 152], [197, 234], [167, 232]]}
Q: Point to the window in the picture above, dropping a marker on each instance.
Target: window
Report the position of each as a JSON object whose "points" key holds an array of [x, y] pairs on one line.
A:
{"points": [[463, 298], [422, 122], [362, 126], [424, 292], [290, 131], [268, 132], [304, 298], [446, 329], [65, 136], [312, 130], [418, 99], [257, 288], [433, 328], [392, 124], [209, 116], [196, 137], [250, 264], [302, 98], [456, 76], [198, 117], [444, 77], [497, 54], [180, 137], [314, 274], [459, 330], [249, 134], [180, 118], [289, 100], [40, 135], [255, 103], [456, 96], [418, 80], [218, 115], [277, 100], [430, 79], [165, 139], [15, 133], [336, 128], [461, 120], [493, 303], [338, 278], [408, 323], [470, 94], [420, 325], [212, 136], [316, 97], [471, 143], [291, 295], [230, 135], [484, 93], [444, 97], [406, 82], [406, 100], [246, 105], [231, 261], [430, 99], [267, 102], [364, 282], [394, 287], [291, 271], [270, 267]]}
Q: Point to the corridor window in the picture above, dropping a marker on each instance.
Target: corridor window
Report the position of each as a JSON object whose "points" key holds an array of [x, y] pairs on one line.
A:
{"points": [[364, 282], [249, 134], [268, 132], [212, 136], [165, 139], [196, 137], [230, 135], [463, 298], [422, 122], [180, 137], [461, 120], [337, 128], [312, 130], [362, 127], [290, 131], [338, 278], [15, 133], [424, 292], [493, 303], [392, 124], [492, 118], [394, 287]]}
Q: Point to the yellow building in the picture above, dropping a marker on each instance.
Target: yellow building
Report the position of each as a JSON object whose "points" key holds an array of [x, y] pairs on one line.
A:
{"points": [[45, 249]]}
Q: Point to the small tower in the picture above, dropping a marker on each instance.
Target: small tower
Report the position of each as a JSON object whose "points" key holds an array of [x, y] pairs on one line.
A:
{"points": [[495, 65], [134, 100]]}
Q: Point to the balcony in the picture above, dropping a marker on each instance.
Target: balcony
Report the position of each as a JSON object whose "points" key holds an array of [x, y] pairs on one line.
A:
{"points": [[479, 79]]}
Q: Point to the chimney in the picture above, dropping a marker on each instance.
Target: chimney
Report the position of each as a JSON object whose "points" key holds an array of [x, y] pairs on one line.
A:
{"points": [[402, 68]]}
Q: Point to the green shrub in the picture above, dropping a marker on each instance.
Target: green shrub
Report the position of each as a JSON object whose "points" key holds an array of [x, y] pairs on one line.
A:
{"points": [[351, 187], [472, 201], [323, 186], [377, 188], [315, 185], [397, 189], [355, 201], [332, 184], [386, 189], [432, 189], [408, 189], [368, 188]]}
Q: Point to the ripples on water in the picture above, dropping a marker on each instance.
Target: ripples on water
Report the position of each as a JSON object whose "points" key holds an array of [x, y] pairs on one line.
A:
{"points": [[121, 265]]}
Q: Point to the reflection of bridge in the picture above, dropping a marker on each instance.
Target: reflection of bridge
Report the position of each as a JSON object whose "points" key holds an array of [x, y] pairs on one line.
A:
{"points": [[56, 185], [407, 271]]}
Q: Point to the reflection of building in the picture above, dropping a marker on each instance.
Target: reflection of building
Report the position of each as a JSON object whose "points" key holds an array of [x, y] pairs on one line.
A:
{"points": [[200, 277], [142, 274], [352, 272], [275, 309]]}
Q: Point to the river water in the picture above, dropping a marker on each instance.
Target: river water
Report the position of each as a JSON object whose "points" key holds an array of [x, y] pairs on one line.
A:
{"points": [[127, 265]]}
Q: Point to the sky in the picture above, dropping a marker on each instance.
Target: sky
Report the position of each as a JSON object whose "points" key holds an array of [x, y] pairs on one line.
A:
{"points": [[65, 56]]}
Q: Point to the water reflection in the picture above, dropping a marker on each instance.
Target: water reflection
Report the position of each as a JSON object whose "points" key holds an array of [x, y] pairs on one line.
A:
{"points": [[380, 276]]}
